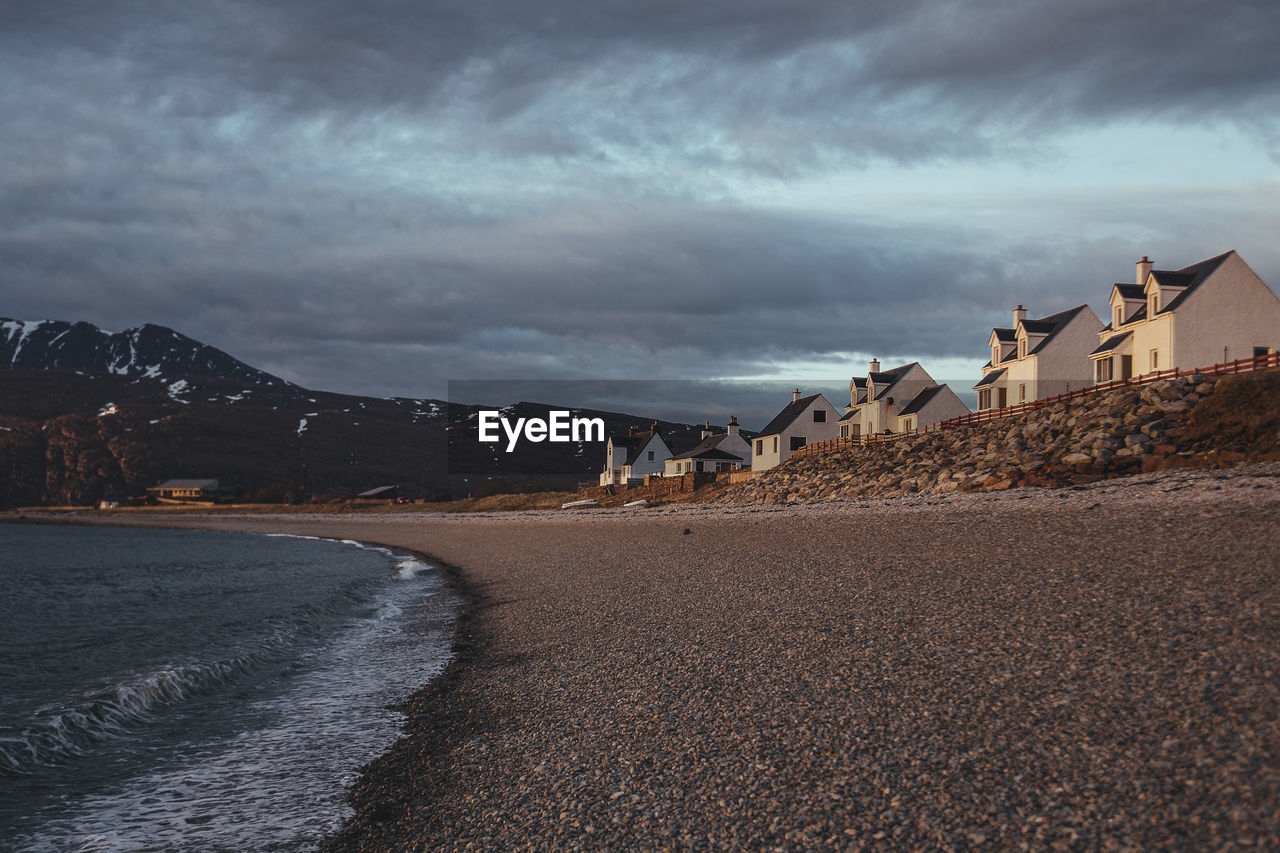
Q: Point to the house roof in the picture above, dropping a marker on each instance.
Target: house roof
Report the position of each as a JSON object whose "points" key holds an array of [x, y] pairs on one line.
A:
{"points": [[1111, 343], [187, 484], [888, 377], [784, 419], [708, 443], [1051, 325], [642, 441], [921, 400], [1007, 335], [1130, 291], [991, 377], [1194, 276], [708, 453]]}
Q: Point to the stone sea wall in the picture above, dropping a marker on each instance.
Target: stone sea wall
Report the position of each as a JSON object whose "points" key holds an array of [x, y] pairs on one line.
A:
{"points": [[1111, 434]]}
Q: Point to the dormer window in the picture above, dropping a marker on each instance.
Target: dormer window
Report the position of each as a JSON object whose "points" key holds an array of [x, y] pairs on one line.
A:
{"points": [[1118, 317], [1022, 347], [995, 355], [1153, 304]]}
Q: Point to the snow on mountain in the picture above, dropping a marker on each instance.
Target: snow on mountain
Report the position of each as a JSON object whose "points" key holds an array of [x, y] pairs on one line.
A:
{"points": [[150, 351]]}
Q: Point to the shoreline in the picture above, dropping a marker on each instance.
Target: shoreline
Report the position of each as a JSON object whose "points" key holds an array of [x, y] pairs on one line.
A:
{"points": [[938, 671]]}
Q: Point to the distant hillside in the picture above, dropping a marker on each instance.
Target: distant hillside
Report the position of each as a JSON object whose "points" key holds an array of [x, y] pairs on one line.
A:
{"points": [[86, 415], [154, 352]]}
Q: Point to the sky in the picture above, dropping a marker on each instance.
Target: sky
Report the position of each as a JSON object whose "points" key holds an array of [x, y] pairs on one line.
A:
{"points": [[380, 197]]}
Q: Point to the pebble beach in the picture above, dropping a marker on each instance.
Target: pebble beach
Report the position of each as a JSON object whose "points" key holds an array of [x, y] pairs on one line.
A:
{"points": [[1087, 668]]}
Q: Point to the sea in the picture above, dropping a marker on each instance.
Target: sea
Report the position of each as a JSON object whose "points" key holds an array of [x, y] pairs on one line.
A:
{"points": [[184, 690]]}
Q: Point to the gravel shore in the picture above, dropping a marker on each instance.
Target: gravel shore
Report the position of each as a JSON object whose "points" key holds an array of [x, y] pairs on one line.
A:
{"points": [[1085, 668]]}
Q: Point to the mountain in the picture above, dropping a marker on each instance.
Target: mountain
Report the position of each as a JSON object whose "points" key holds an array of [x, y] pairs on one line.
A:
{"points": [[86, 415], [154, 352]]}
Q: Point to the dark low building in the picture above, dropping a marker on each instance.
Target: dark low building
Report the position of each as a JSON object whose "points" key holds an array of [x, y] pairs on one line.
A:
{"points": [[179, 491]]}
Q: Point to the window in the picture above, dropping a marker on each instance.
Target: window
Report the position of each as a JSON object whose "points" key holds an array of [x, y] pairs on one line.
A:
{"points": [[995, 355], [984, 398], [775, 444], [1002, 394], [1104, 369], [760, 447], [1022, 347], [797, 442], [819, 416], [1153, 304], [1022, 393], [650, 455], [908, 424], [1117, 317], [1155, 359], [844, 430]]}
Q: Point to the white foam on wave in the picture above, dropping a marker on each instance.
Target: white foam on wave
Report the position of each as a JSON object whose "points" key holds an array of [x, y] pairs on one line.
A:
{"points": [[55, 734]]}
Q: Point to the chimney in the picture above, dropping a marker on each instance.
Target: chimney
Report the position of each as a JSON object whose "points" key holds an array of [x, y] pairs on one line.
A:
{"points": [[795, 395], [1144, 267], [732, 429], [1019, 314], [706, 429], [875, 365]]}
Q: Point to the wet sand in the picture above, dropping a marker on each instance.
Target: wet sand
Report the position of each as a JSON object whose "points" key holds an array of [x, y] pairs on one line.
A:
{"points": [[1089, 668]]}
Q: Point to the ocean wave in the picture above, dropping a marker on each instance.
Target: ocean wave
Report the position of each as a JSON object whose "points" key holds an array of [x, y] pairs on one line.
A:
{"points": [[52, 736]]}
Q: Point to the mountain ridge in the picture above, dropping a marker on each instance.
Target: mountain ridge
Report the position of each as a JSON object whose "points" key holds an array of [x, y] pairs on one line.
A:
{"points": [[147, 351]]}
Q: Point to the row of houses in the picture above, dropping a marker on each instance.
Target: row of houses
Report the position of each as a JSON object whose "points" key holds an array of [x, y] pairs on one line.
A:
{"points": [[1213, 311]]}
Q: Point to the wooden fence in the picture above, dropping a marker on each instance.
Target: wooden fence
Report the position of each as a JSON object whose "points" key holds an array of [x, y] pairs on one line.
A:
{"points": [[1242, 365]]}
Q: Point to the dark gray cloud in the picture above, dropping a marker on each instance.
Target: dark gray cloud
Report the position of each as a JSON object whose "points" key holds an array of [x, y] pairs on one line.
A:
{"points": [[379, 196]]}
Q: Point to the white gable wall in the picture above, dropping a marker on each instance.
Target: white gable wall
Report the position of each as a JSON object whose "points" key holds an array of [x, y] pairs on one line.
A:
{"points": [[1063, 365], [643, 465], [1232, 309], [777, 448]]}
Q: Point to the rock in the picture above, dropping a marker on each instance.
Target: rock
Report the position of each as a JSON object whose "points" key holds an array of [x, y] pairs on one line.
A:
{"points": [[1076, 458], [1173, 405]]}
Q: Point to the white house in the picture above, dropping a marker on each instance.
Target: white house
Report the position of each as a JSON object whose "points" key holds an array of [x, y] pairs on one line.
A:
{"points": [[897, 400], [1038, 358], [1213, 311], [633, 456], [804, 421], [727, 451]]}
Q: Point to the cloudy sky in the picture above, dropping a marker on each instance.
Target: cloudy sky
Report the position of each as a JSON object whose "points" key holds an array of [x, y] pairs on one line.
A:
{"points": [[377, 196]]}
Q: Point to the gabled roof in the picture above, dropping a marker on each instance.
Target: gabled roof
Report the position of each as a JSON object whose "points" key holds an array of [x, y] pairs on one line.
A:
{"points": [[1129, 291], [1111, 343], [642, 441], [784, 419], [1051, 325], [708, 443], [888, 377], [1194, 275], [709, 453], [991, 377], [921, 400], [1007, 335]]}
